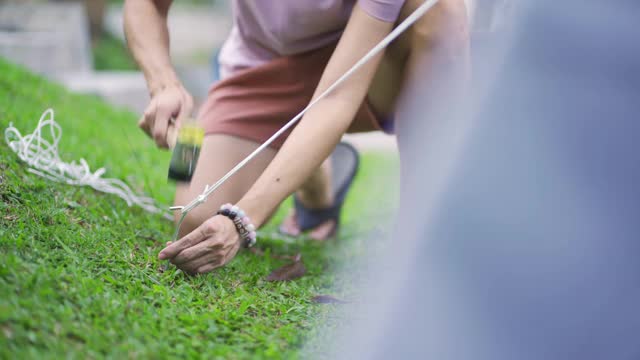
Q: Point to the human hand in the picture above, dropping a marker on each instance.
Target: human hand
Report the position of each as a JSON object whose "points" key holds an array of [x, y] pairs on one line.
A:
{"points": [[213, 244], [167, 104]]}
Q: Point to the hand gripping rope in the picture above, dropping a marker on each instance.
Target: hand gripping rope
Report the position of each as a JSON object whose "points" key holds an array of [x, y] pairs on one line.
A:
{"points": [[208, 190]]}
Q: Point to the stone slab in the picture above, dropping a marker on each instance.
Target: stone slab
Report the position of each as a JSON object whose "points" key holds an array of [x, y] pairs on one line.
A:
{"points": [[48, 38], [121, 88]]}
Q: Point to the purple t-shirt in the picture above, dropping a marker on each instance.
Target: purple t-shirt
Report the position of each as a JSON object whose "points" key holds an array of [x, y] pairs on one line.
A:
{"points": [[264, 30]]}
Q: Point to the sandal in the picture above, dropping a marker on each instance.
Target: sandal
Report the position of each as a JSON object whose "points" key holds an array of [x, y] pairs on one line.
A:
{"points": [[344, 166]]}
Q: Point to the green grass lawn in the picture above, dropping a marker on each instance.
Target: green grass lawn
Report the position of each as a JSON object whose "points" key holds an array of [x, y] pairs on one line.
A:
{"points": [[110, 53], [79, 275]]}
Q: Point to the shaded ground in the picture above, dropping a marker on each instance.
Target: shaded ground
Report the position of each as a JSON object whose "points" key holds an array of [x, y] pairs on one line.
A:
{"points": [[79, 277]]}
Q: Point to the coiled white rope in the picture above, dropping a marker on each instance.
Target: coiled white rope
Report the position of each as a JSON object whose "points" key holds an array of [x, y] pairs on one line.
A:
{"points": [[40, 152]]}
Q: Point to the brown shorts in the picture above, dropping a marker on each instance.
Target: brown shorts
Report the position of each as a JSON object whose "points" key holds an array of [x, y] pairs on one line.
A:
{"points": [[255, 103]]}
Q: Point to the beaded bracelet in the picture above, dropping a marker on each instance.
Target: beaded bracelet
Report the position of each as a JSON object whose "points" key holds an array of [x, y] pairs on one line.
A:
{"points": [[242, 222]]}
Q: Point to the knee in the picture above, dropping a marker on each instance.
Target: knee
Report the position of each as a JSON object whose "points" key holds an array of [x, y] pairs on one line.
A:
{"points": [[444, 28]]}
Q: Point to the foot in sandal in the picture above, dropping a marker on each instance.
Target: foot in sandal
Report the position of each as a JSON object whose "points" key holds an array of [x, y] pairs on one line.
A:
{"points": [[322, 223]]}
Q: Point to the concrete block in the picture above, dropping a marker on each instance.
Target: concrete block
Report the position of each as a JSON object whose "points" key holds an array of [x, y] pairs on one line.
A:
{"points": [[48, 38]]}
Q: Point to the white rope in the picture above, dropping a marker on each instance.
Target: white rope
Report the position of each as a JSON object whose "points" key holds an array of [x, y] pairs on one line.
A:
{"points": [[419, 12], [41, 154]]}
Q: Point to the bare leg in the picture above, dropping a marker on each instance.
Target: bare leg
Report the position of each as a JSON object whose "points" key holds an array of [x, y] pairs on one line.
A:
{"points": [[437, 43], [440, 52], [219, 154], [315, 193]]}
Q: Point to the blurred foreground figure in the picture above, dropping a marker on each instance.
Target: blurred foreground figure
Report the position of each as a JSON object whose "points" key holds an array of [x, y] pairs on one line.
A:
{"points": [[525, 242]]}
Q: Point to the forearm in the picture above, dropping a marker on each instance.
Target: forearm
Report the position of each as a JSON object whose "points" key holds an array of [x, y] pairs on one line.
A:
{"points": [[305, 149], [147, 34], [321, 128]]}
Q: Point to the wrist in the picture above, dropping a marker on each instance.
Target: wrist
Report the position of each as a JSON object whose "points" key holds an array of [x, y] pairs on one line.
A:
{"points": [[232, 227], [158, 83], [255, 211], [242, 223]]}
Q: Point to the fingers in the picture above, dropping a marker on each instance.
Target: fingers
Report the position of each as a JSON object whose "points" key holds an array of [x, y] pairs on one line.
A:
{"points": [[209, 246], [203, 263], [204, 257], [186, 108], [207, 268], [164, 113], [146, 121], [171, 103], [198, 235], [172, 136]]}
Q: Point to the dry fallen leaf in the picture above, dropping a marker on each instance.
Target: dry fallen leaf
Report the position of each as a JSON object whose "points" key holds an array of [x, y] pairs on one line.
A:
{"points": [[290, 271], [10, 217], [327, 299], [7, 331]]}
